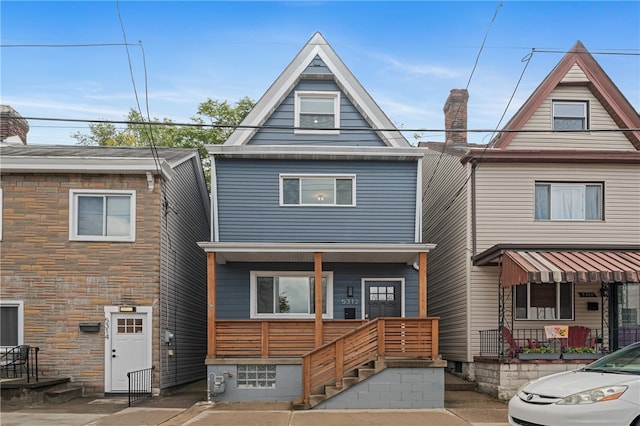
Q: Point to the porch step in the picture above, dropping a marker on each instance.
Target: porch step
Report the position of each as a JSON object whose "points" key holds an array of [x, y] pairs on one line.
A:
{"points": [[356, 376], [455, 383], [63, 393]]}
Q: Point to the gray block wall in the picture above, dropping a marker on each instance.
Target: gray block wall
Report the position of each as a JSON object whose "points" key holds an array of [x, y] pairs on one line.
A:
{"points": [[393, 388], [288, 385]]}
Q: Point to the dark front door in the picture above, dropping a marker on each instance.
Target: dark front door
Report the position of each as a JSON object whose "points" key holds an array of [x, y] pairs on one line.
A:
{"points": [[383, 299], [624, 314]]}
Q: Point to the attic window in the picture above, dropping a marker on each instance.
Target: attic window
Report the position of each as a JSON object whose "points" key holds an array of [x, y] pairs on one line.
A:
{"points": [[570, 115], [317, 112]]}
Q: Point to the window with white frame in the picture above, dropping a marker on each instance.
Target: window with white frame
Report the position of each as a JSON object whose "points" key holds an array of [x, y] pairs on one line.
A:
{"points": [[569, 201], [570, 115], [289, 294], [317, 190], [1, 197], [11, 323], [256, 376], [544, 301], [317, 112], [102, 215]]}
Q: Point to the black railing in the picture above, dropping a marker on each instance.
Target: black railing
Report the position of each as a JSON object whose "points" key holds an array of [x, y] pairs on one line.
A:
{"points": [[21, 361], [494, 343], [140, 384]]}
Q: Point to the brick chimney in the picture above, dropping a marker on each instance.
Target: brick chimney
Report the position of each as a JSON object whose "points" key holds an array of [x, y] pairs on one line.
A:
{"points": [[13, 128], [455, 116]]}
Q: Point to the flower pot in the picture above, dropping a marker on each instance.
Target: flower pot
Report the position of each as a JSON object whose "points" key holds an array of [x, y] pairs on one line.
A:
{"points": [[533, 355], [576, 355]]}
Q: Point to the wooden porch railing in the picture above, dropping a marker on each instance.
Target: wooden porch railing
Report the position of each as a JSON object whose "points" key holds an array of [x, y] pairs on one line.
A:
{"points": [[274, 338], [375, 340]]}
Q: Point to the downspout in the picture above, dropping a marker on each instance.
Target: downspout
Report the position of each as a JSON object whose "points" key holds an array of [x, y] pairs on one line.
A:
{"points": [[474, 244]]}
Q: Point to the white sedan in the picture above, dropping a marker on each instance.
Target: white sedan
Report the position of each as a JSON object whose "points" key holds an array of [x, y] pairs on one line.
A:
{"points": [[606, 392]]}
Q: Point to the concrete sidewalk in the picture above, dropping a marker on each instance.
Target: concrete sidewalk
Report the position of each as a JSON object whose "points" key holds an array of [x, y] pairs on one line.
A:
{"points": [[187, 407]]}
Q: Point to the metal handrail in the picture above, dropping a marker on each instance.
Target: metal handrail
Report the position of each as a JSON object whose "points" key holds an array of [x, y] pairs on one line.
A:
{"points": [[140, 384]]}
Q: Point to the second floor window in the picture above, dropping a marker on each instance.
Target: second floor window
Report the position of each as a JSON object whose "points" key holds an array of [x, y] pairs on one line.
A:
{"points": [[317, 190], [102, 216], [317, 112], [568, 201], [570, 115]]}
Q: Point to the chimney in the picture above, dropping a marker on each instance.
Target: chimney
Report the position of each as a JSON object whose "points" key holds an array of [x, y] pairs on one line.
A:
{"points": [[455, 116], [13, 128]]}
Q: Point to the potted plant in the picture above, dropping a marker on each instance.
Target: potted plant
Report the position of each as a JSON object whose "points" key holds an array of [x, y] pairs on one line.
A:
{"points": [[542, 352], [581, 353]]}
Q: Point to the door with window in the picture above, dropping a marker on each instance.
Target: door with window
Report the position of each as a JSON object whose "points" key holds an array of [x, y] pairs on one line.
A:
{"points": [[625, 314], [383, 298], [130, 348]]}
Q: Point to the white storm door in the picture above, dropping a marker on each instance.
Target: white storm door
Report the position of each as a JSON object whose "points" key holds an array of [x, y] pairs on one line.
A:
{"points": [[130, 347]]}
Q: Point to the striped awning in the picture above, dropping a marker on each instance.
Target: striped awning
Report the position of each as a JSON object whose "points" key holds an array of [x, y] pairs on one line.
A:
{"points": [[521, 267]]}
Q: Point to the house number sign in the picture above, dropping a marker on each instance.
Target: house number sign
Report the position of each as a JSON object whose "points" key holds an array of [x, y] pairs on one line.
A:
{"points": [[350, 301]]}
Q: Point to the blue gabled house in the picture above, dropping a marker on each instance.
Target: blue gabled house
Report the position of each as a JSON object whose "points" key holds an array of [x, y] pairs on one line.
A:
{"points": [[316, 267]]}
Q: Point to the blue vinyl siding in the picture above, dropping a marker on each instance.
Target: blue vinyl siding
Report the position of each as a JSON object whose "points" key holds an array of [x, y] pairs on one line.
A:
{"points": [[249, 204], [283, 119], [233, 285]]}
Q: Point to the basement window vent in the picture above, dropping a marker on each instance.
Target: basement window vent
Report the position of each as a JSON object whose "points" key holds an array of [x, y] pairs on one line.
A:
{"points": [[257, 376]]}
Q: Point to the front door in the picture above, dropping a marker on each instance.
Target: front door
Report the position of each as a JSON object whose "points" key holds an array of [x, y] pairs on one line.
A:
{"points": [[383, 298], [129, 348]]}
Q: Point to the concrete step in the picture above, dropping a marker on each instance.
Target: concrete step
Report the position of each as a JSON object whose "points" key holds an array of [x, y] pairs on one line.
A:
{"points": [[63, 393], [455, 383]]}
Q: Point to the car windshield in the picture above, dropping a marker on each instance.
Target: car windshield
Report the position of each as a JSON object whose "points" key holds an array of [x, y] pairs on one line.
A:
{"points": [[625, 360]]}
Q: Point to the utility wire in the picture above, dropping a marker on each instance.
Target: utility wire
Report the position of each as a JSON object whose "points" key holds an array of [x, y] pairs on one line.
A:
{"points": [[466, 90], [345, 129], [527, 61], [291, 128]]}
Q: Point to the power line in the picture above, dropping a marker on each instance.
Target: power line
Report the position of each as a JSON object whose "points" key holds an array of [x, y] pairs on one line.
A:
{"points": [[466, 90], [346, 129]]}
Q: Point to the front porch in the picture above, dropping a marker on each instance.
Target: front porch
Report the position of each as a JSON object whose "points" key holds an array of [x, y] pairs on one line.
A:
{"points": [[265, 350], [279, 347]]}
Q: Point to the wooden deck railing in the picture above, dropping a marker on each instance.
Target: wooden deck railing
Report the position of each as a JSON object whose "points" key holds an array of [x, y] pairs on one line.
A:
{"points": [[375, 340], [274, 338]]}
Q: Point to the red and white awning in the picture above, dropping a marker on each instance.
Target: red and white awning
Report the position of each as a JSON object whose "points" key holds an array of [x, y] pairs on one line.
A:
{"points": [[521, 267]]}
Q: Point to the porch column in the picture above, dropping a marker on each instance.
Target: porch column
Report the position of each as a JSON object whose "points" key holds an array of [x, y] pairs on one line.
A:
{"points": [[317, 267], [422, 285], [211, 305]]}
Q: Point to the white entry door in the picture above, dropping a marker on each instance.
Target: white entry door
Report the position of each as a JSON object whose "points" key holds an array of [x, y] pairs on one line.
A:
{"points": [[129, 348]]}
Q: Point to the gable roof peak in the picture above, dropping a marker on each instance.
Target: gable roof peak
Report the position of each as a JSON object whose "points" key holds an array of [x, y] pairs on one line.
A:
{"points": [[317, 46], [598, 82]]}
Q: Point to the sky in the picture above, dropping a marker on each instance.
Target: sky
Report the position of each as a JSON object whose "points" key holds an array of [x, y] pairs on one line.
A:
{"points": [[407, 55]]}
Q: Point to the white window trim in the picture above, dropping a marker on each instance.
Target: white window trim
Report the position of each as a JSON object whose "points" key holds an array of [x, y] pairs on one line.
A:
{"points": [[318, 176], [254, 302], [582, 185], [587, 111], [1, 210], [20, 305], [573, 305], [335, 95], [73, 215]]}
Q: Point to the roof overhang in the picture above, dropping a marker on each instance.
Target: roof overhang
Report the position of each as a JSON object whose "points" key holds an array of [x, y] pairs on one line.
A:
{"points": [[304, 252], [94, 165], [522, 265], [493, 155], [281, 152]]}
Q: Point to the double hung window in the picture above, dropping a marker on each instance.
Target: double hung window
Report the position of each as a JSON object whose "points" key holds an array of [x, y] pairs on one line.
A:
{"points": [[568, 201], [288, 294], [544, 301], [102, 216], [317, 112], [318, 190], [570, 115]]}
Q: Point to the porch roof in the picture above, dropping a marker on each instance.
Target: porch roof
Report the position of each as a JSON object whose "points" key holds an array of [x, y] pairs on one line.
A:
{"points": [[521, 267], [304, 252]]}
